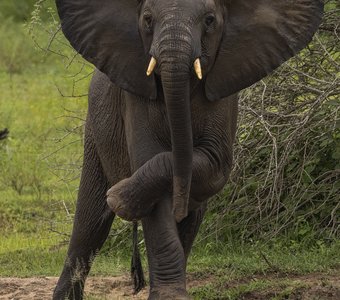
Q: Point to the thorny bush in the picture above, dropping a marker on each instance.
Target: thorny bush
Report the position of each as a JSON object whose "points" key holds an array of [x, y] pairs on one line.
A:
{"points": [[286, 175]]}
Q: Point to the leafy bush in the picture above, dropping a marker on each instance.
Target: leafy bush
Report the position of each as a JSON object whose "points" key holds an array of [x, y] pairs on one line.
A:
{"points": [[18, 175], [18, 10], [286, 176]]}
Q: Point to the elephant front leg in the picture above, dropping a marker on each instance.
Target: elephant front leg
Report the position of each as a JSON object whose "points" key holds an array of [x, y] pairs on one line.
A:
{"points": [[166, 256], [134, 198]]}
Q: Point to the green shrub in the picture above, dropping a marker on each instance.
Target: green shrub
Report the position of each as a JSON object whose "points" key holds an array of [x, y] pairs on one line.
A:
{"points": [[21, 167], [286, 176], [19, 10]]}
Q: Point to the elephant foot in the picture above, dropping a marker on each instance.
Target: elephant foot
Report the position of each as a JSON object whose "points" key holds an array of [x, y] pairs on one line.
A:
{"points": [[169, 293], [127, 200]]}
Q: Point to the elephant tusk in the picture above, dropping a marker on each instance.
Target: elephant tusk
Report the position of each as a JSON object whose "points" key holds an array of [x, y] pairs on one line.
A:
{"points": [[151, 66], [198, 69]]}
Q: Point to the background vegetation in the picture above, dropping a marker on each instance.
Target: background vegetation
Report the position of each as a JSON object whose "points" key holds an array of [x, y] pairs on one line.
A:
{"points": [[279, 212], [287, 167]]}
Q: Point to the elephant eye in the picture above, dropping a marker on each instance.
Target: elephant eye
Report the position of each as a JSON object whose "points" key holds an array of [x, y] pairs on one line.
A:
{"points": [[148, 21], [209, 20]]}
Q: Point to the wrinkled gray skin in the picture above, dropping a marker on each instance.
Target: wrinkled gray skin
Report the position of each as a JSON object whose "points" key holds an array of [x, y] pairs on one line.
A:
{"points": [[162, 140]]}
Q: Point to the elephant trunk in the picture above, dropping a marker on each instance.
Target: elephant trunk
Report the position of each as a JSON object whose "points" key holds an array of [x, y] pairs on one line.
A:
{"points": [[175, 64]]}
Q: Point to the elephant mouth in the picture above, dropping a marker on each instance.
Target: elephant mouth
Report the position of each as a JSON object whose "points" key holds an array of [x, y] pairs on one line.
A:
{"points": [[196, 65]]}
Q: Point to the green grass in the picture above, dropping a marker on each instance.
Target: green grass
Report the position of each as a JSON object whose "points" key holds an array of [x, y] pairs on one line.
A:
{"points": [[241, 260], [40, 159], [285, 287], [234, 272]]}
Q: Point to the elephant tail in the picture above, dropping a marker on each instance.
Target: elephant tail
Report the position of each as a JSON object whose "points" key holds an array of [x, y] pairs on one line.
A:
{"points": [[137, 273]]}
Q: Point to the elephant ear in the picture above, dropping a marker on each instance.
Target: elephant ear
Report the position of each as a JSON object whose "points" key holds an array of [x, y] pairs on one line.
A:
{"points": [[260, 35], [105, 33]]}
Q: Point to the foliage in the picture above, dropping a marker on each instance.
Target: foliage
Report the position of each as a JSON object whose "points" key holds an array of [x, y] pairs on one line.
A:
{"points": [[40, 158], [19, 10], [286, 176]]}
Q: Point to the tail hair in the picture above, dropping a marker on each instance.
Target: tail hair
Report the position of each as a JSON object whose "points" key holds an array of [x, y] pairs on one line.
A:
{"points": [[137, 273]]}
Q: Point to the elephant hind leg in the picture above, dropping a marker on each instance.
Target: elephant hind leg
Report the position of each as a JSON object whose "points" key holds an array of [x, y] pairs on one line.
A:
{"points": [[137, 273], [92, 223]]}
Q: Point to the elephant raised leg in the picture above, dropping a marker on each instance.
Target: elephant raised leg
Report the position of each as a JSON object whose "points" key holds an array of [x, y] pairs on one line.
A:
{"points": [[92, 223], [130, 198]]}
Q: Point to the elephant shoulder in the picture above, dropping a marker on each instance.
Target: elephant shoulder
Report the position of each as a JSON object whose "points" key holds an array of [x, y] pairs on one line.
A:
{"points": [[105, 102], [101, 86], [104, 96]]}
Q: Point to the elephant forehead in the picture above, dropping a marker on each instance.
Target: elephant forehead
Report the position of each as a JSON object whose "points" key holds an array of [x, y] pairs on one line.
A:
{"points": [[183, 6]]}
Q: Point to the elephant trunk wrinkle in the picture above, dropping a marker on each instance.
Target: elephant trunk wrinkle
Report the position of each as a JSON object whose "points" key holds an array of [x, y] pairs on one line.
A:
{"points": [[175, 46], [175, 74]]}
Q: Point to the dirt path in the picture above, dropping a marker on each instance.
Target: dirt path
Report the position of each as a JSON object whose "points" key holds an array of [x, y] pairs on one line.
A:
{"points": [[307, 287]]}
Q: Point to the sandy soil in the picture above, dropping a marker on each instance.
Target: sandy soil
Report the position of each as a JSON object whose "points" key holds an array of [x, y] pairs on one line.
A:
{"points": [[308, 287]]}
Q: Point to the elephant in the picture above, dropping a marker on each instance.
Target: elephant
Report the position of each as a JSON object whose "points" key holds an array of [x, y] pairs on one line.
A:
{"points": [[162, 117]]}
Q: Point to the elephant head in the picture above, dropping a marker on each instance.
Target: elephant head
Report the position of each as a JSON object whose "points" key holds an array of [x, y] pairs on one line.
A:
{"points": [[229, 44]]}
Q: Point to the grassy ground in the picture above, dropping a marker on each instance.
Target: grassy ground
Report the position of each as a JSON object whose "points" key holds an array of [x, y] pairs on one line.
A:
{"points": [[39, 165], [41, 157]]}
